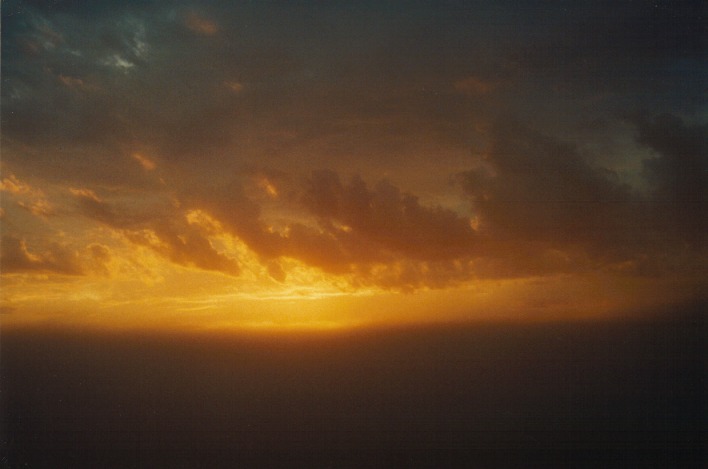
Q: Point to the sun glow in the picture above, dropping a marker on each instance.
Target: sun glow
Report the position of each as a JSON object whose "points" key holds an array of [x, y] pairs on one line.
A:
{"points": [[143, 291]]}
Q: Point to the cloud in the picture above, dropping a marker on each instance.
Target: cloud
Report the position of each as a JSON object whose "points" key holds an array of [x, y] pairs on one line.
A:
{"points": [[184, 245], [146, 163], [94, 207], [678, 174], [534, 187], [100, 257], [370, 235], [334, 224], [54, 259], [14, 186], [373, 91], [386, 218], [27, 197], [234, 86], [237, 213], [545, 208], [40, 208], [166, 231]]}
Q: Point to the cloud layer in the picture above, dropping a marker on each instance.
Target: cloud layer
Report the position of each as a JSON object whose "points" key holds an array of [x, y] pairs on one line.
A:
{"points": [[401, 148]]}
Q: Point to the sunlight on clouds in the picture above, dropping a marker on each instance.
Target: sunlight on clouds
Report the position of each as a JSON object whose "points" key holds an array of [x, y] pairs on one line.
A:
{"points": [[40, 208], [268, 187], [26, 197], [202, 219], [118, 62], [192, 299], [146, 163], [85, 193], [234, 86], [14, 186], [134, 264], [210, 167]]}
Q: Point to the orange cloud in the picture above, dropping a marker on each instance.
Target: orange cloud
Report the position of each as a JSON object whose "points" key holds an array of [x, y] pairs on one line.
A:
{"points": [[184, 245], [40, 208], [14, 186], [144, 161], [94, 207], [16, 257], [268, 187], [234, 86], [371, 236], [31, 199]]}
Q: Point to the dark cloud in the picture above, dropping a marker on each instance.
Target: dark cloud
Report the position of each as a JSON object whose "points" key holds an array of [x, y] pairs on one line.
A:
{"points": [[539, 188], [678, 174], [141, 76], [544, 205]]}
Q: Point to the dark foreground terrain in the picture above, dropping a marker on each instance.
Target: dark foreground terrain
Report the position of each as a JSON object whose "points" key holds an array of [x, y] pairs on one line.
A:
{"points": [[629, 394]]}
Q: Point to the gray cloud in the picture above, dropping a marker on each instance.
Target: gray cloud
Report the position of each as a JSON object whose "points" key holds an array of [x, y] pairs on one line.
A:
{"points": [[678, 174], [542, 189], [535, 193]]}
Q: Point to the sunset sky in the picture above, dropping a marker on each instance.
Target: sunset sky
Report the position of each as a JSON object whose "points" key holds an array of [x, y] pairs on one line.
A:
{"points": [[323, 165]]}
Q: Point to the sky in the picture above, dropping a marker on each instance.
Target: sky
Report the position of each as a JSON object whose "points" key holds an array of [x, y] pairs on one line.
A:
{"points": [[305, 164]]}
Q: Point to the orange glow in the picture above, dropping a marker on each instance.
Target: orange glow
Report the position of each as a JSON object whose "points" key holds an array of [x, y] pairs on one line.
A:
{"points": [[167, 274], [136, 288], [207, 173]]}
